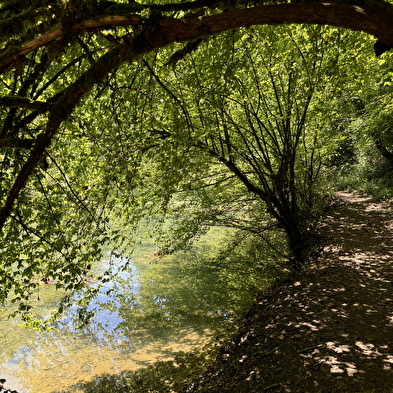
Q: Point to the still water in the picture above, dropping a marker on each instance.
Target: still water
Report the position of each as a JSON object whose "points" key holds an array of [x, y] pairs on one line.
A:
{"points": [[151, 310]]}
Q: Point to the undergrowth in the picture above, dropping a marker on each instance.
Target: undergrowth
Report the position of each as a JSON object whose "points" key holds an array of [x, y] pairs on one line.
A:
{"points": [[375, 181]]}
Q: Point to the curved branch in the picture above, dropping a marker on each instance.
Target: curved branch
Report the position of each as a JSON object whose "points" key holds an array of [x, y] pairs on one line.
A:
{"points": [[87, 25], [373, 17], [370, 16], [25, 103], [61, 110]]}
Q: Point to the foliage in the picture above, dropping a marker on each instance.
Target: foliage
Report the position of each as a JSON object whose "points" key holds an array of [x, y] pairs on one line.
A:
{"points": [[254, 114], [95, 124], [362, 129]]}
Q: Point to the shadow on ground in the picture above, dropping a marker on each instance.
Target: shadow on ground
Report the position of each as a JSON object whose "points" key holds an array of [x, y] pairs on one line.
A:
{"points": [[329, 330]]}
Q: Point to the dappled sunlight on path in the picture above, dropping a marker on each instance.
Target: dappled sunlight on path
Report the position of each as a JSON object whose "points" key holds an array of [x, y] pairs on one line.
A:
{"points": [[330, 329]]}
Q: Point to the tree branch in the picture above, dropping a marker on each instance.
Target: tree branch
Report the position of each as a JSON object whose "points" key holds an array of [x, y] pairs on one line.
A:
{"points": [[25, 103], [370, 16], [61, 110], [88, 25]]}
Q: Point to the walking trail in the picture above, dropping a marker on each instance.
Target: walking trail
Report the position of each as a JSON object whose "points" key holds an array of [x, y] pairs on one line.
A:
{"points": [[329, 329]]}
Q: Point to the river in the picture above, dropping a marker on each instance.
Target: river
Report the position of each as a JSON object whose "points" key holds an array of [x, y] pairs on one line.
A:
{"points": [[147, 313]]}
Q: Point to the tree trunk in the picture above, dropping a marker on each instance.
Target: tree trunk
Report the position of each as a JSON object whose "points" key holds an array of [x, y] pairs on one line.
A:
{"points": [[296, 239], [381, 147]]}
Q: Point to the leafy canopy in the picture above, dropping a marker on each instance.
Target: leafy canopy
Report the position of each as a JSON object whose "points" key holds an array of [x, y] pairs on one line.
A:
{"points": [[96, 125]]}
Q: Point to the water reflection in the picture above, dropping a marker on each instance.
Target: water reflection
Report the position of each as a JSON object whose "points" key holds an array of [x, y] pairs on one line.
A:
{"points": [[149, 312], [37, 362], [113, 341]]}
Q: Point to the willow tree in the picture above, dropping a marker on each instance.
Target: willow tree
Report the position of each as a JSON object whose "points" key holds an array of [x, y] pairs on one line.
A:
{"points": [[57, 57]]}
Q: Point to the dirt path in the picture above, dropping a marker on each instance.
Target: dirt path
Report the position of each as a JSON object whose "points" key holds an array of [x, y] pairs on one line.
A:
{"points": [[329, 330]]}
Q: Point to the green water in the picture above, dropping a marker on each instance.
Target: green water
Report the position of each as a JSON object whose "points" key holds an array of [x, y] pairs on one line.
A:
{"points": [[154, 308]]}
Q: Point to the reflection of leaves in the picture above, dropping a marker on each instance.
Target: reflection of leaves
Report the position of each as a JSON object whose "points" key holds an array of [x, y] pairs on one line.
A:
{"points": [[209, 282], [204, 288], [3, 338]]}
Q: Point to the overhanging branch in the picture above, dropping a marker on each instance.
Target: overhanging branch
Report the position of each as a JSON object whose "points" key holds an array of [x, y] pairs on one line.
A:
{"points": [[25, 103], [62, 109], [370, 16], [87, 25], [64, 106]]}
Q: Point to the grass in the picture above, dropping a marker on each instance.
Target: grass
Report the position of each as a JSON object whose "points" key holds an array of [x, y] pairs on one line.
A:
{"points": [[376, 182]]}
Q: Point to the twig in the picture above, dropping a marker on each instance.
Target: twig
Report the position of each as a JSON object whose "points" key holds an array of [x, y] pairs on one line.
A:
{"points": [[275, 385], [313, 347]]}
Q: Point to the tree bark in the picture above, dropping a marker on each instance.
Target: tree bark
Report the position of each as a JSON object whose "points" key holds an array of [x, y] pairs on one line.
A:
{"points": [[370, 16], [383, 150]]}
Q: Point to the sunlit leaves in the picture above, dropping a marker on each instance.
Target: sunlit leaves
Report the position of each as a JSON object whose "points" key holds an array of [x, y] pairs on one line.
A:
{"points": [[360, 123], [228, 136], [250, 108]]}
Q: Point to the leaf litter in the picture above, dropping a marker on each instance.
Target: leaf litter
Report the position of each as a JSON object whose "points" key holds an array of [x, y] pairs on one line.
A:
{"points": [[330, 329]]}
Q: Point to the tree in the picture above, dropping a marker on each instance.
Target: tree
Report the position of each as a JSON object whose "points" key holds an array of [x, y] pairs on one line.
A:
{"points": [[361, 124], [248, 112], [155, 31], [375, 111], [55, 55]]}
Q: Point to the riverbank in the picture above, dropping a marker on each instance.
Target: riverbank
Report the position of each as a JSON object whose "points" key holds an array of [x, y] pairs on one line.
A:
{"points": [[329, 329]]}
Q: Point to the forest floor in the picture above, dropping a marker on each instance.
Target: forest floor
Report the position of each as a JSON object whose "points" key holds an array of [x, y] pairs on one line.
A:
{"points": [[330, 329]]}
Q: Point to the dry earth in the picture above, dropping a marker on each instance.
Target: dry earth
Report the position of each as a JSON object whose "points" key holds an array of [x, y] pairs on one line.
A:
{"points": [[329, 329]]}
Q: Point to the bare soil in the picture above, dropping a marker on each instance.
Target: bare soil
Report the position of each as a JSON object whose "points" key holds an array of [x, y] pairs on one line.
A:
{"points": [[330, 329]]}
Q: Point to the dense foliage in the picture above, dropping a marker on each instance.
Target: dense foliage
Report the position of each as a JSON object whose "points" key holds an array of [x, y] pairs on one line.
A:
{"points": [[114, 112], [361, 158]]}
